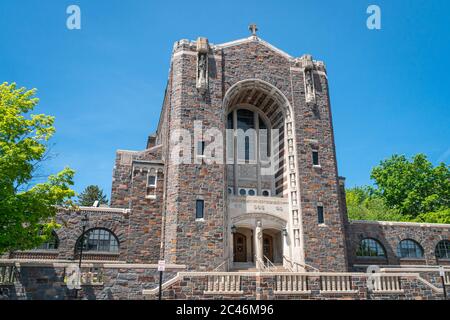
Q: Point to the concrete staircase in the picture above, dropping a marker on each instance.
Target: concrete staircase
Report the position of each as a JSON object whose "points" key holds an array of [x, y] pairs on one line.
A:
{"points": [[251, 267]]}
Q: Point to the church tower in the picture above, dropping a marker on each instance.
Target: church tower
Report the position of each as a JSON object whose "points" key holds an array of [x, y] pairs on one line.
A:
{"points": [[273, 194]]}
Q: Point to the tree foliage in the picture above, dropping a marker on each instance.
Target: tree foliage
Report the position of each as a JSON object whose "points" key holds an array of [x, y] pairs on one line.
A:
{"points": [[405, 190], [413, 187], [441, 216], [364, 204], [27, 209], [91, 194]]}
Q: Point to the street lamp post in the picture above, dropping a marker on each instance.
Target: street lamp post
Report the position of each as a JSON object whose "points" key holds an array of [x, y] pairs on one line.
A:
{"points": [[84, 222]]}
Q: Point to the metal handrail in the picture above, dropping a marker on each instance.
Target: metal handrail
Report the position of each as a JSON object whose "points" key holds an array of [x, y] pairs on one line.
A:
{"points": [[269, 264], [225, 261], [296, 264], [290, 264], [260, 262]]}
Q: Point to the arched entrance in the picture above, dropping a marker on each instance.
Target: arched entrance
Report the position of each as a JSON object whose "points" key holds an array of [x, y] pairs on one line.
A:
{"points": [[261, 161], [257, 115], [273, 245], [268, 247]]}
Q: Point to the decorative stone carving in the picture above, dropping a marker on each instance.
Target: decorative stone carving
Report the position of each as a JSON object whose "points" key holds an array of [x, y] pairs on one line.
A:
{"points": [[202, 64], [308, 66]]}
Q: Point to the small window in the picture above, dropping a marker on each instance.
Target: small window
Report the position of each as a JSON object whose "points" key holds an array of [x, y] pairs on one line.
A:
{"points": [[315, 157], [443, 250], [199, 209], [409, 249], [201, 148], [230, 190], [266, 193], [320, 218], [370, 248], [247, 148], [152, 181], [51, 244], [251, 192], [242, 192]]}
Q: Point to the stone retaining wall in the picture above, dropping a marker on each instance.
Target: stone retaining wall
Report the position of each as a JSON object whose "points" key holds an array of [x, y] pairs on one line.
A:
{"points": [[118, 283]]}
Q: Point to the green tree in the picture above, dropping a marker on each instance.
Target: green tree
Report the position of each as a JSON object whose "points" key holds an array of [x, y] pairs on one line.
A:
{"points": [[27, 208], [441, 216], [364, 204], [413, 187], [91, 194]]}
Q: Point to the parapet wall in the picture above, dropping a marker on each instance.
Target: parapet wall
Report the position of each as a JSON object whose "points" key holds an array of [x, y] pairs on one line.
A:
{"points": [[389, 234], [46, 280]]}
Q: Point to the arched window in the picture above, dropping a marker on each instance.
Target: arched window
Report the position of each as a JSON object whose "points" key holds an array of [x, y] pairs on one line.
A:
{"points": [[409, 249], [443, 249], [98, 240], [248, 120], [370, 248], [51, 244]]}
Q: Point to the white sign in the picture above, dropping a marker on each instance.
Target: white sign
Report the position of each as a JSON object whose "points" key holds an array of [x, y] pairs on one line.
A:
{"points": [[441, 271], [161, 265], [73, 277]]}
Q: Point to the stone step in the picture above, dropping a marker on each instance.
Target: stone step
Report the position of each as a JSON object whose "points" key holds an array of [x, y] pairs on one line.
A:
{"points": [[250, 267]]}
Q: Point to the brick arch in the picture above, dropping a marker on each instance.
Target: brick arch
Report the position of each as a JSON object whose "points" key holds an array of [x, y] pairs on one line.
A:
{"points": [[275, 221], [261, 94]]}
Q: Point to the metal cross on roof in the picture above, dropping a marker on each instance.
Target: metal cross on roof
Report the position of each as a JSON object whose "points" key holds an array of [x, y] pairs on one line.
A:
{"points": [[253, 28]]}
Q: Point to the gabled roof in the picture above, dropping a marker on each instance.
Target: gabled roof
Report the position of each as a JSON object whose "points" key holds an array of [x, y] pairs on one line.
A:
{"points": [[254, 39]]}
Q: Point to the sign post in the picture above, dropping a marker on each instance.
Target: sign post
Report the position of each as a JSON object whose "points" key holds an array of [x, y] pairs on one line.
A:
{"points": [[442, 274], [161, 269]]}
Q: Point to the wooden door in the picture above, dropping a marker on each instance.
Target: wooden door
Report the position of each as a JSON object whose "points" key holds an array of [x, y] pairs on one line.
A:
{"points": [[268, 246], [240, 247]]}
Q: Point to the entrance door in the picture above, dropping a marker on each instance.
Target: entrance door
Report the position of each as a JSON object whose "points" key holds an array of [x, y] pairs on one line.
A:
{"points": [[268, 246], [240, 248]]}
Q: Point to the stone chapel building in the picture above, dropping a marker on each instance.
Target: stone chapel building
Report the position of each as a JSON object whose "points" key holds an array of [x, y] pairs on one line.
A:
{"points": [[235, 213]]}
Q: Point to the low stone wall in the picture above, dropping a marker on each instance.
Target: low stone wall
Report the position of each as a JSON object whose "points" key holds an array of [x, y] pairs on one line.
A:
{"points": [[107, 281], [38, 281], [389, 234], [296, 286]]}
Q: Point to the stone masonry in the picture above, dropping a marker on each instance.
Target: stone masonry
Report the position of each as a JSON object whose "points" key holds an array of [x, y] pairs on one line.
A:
{"points": [[207, 84]]}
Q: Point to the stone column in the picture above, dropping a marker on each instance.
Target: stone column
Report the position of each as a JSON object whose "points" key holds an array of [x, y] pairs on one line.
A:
{"points": [[259, 244]]}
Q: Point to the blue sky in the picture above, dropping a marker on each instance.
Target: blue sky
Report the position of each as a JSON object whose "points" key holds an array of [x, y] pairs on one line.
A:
{"points": [[389, 88]]}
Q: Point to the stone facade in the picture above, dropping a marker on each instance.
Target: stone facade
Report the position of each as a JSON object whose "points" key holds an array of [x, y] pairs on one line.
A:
{"points": [[295, 220], [389, 234], [117, 282]]}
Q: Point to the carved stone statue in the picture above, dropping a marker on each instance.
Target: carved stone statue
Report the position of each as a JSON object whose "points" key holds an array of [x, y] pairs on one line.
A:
{"points": [[202, 69], [202, 64], [307, 63], [310, 95]]}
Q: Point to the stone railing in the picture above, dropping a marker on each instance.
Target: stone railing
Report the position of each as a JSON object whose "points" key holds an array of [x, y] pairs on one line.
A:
{"points": [[223, 284], [386, 283], [303, 285], [98, 256], [336, 283], [292, 284], [35, 254]]}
